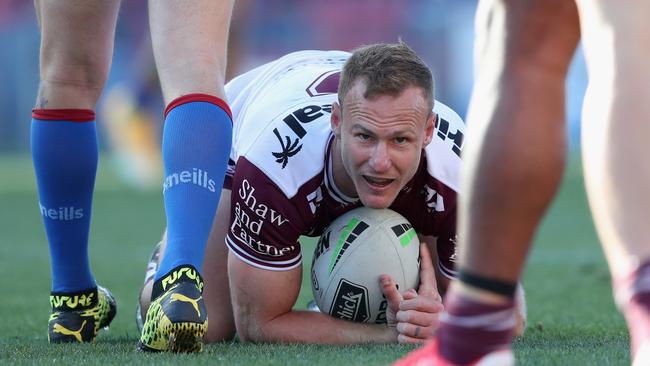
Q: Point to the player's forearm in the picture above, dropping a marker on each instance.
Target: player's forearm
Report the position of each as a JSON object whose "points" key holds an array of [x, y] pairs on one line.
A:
{"points": [[312, 327]]}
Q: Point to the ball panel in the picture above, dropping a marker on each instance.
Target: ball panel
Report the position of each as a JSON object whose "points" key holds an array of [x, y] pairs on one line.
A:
{"points": [[409, 249]]}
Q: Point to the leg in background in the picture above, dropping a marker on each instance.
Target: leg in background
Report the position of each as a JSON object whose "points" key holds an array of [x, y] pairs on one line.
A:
{"points": [[75, 57], [616, 125]]}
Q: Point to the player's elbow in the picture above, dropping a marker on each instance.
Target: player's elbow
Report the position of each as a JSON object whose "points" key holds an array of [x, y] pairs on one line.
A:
{"points": [[253, 333], [249, 327], [249, 334]]}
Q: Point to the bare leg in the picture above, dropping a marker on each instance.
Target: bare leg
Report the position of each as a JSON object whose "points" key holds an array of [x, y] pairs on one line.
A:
{"points": [[216, 291], [76, 51], [615, 131], [215, 270], [513, 163], [515, 152], [189, 45], [616, 127], [74, 60], [75, 56]]}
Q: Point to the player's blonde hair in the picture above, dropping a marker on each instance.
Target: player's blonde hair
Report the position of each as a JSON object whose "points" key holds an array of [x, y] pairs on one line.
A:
{"points": [[387, 69]]}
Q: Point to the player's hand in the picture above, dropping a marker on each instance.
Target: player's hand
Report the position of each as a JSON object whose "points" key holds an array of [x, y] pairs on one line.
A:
{"points": [[414, 313]]}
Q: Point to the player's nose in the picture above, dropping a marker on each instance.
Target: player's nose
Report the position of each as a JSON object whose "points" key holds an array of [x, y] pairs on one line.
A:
{"points": [[380, 158]]}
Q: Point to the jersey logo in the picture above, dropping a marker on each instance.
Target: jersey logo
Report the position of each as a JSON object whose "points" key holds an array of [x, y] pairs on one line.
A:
{"points": [[289, 149], [443, 133], [315, 198], [327, 83], [434, 200], [454, 256], [294, 121]]}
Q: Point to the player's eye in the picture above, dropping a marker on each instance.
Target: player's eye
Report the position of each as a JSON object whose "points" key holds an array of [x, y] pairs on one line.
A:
{"points": [[401, 140], [363, 136]]}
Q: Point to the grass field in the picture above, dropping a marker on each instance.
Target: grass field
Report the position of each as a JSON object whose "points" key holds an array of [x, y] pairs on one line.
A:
{"points": [[572, 319]]}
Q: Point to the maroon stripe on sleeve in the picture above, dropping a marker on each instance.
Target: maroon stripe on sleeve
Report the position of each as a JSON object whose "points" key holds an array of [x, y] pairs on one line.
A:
{"points": [[68, 115], [199, 98]]}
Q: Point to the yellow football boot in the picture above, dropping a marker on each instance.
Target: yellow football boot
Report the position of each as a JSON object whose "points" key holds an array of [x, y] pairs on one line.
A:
{"points": [[78, 317]]}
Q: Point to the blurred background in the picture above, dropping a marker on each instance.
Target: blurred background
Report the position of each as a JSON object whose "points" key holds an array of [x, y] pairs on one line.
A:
{"points": [[130, 110], [572, 316]]}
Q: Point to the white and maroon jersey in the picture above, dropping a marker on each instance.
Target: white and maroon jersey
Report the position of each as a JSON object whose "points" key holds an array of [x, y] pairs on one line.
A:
{"points": [[280, 172]]}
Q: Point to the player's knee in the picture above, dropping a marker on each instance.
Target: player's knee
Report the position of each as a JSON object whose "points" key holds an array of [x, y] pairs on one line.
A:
{"points": [[145, 298], [199, 73], [188, 61], [544, 37], [248, 328], [221, 324], [85, 78], [537, 37], [246, 332]]}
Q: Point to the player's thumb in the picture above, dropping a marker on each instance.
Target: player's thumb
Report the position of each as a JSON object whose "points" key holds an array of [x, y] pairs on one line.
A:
{"points": [[389, 288]]}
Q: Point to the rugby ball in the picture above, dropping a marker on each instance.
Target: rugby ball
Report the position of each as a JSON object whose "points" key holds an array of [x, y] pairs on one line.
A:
{"points": [[351, 254]]}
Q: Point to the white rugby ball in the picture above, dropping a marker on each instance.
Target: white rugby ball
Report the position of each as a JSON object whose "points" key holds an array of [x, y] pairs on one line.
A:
{"points": [[353, 252]]}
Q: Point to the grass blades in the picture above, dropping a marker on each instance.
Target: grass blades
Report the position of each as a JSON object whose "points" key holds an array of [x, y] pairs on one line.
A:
{"points": [[572, 318]]}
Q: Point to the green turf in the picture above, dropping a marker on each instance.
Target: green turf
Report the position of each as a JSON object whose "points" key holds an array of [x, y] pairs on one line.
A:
{"points": [[572, 320]]}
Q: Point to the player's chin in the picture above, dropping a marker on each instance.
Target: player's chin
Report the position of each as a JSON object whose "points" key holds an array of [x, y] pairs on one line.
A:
{"points": [[377, 196], [377, 201]]}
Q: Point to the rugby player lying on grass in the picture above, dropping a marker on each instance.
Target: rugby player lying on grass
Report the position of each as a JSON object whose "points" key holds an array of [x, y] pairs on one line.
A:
{"points": [[303, 155]]}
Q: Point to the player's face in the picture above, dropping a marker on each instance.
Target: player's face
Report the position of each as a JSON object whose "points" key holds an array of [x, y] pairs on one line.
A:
{"points": [[381, 141]]}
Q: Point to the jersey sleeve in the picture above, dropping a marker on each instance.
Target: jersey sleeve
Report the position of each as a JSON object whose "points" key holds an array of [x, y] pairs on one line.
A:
{"points": [[438, 218], [264, 224], [446, 246], [443, 184]]}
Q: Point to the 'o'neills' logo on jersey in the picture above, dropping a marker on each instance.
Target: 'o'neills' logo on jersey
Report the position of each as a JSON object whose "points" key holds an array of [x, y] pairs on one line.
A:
{"points": [[62, 213], [71, 301], [196, 176], [189, 273]]}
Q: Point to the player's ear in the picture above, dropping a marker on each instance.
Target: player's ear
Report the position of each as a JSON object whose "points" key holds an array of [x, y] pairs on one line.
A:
{"points": [[429, 126], [335, 120]]}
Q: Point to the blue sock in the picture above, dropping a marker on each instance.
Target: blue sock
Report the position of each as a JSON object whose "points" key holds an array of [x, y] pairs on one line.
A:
{"points": [[64, 151], [196, 146]]}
